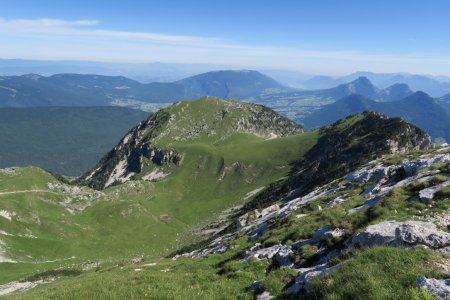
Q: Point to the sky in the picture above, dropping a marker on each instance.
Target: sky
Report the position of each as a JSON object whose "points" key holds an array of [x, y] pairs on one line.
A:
{"points": [[321, 37]]}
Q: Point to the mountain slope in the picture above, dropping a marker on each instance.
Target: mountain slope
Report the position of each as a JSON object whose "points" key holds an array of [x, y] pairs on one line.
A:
{"points": [[419, 109], [445, 102], [165, 207], [342, 147], [156, 139], [66, 140], [275, 245]]}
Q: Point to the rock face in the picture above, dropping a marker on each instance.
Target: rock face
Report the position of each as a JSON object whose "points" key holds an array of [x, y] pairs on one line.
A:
{"points": [[426, 195], [343, 147], [303, 279], [209, 117], [367, 174], [424, 162], [264, 296], [439, 287], [321, 235], [280, 253], [410, 233], [284, 257]]}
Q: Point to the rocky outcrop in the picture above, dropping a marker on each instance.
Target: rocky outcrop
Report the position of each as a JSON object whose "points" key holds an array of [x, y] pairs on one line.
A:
{"points": [[260, 214], [306, 275], [380, 180], [409, 233], [428, 194], [438, 287], [382, 188], [121, 165], [368, 174], [423, 162], [264, 296], [344, 147], [279, 253], [321, 235]]}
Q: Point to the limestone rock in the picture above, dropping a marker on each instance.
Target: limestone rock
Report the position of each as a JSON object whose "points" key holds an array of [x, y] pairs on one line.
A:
{"points": [[137, 260], [411, 167], [323, 234], [327, 233], [259, 230], [264, 296], [426, 195], [280, 253], [367, 174], [284, 257], [266, 253], [409, 233], [439, 287], [303, 279], [338, 200]]}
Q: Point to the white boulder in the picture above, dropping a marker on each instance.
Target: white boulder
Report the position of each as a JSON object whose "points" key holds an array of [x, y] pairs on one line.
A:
{"points": [[409, 233], [305, 276], [426, 195]]}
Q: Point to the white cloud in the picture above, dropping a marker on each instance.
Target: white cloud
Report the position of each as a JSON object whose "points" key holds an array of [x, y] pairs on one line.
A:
{"points": [[84, 28], [85, 40], [24, 24]]}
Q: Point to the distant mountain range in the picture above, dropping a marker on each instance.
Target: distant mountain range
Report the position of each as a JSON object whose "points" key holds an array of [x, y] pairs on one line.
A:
{"points": [[312, 108], [419, 109], [299, 104], [94, 90], [142, 72], [362, 86], [435, 86]]}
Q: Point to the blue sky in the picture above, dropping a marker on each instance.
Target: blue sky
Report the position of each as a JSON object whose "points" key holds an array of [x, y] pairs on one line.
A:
{"points": [[321, 36]]}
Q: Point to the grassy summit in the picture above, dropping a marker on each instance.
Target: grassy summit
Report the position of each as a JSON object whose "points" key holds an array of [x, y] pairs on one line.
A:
{"points": [[207, 124]]}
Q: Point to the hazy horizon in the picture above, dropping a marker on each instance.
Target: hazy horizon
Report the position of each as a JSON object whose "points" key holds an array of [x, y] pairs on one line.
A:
{"points": [[320, 37]]}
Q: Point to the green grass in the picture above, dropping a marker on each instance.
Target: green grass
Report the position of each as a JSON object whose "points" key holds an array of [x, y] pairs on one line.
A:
{"points": [[383, 273], [150, 218], [378, 273], [213, 277], [181, 279]]}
